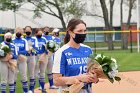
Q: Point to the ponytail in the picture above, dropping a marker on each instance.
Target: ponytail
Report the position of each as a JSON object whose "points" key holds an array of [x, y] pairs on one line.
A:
{"points": [[66, 38]]}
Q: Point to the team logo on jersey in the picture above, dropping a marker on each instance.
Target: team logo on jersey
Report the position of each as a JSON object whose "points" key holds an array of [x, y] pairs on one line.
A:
{"points": [[68, 54], [74, 61]]}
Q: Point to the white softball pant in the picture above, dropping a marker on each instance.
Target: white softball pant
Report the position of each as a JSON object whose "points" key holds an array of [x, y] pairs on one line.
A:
{"points": [[31, 62], [7, 75], [40, 68]]}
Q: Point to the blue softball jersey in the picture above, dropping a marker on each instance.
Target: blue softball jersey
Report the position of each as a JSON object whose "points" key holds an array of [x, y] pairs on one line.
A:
{"points": [[13, 49], [22, 45], [70, 61], [41, 45], [57, 40], [48, 37], [33, 42]]}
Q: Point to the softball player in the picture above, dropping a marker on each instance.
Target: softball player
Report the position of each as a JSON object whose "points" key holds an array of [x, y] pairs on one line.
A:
{"points": [[8, 74], [22, 47], [41, 67], [56, 36], [50, 59], [33, 44], [70, 61]]}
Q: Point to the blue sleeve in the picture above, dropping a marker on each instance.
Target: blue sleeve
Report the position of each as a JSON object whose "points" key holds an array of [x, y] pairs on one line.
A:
{"points": [[15, 54], [25, 51], [14, 57], [46, 51], [91, 52], [35, 44]]}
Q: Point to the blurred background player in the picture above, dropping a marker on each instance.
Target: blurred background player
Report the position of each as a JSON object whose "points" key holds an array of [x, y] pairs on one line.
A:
{"points": [[55, 33], [8, 74], [46, 33], [22, 48], [31, 62], [50, 59], [41, 58]]}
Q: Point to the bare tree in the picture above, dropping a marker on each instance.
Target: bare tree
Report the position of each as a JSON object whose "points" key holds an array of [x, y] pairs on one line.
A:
{"points": [[131, 5], [108, 22], [57, 8], [121, 12]]}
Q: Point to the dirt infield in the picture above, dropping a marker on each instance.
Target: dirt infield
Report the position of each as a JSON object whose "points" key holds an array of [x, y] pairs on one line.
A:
{"points": [[130, 83]]}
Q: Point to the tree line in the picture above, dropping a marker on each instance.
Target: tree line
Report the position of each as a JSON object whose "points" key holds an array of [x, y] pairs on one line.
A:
{"points": [[67, 9]]}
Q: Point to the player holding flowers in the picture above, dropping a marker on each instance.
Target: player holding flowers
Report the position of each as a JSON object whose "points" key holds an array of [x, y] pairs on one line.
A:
{"points": [[70, 61], [8, 57], [31, 62]]}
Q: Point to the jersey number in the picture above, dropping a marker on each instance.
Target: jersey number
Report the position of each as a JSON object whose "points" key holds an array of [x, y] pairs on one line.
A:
{"points": [[83, 69]]}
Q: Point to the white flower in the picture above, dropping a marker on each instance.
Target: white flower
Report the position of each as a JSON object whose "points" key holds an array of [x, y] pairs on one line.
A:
{"points": [[99, 56], [114, 65], [111, 74], [51, 44], [1, 52], [56, 47]]}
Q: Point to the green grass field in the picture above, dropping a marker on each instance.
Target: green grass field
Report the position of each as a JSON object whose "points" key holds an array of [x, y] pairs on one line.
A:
{"points": [[127, 62]]}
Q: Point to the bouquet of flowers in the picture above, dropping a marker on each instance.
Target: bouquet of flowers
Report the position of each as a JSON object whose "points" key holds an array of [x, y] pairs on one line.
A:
{"points": [[31, 49], [52, 46], [104, 67], [4, 50]]}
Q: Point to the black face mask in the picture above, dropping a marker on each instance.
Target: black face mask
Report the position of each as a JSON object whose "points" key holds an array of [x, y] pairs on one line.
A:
{"points": [[57, 34], [79, 38], [18, 35], [8, 39], [38, 36], [46, 33], [28, 33]]}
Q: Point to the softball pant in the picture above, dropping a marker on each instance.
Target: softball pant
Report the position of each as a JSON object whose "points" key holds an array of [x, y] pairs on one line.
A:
{"points": [[40, 70], [31, 69], [7, 76]]}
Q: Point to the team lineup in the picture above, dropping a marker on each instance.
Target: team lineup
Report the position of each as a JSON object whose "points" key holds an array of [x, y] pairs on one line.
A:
{"points": [[36, 54], [28, 60]]}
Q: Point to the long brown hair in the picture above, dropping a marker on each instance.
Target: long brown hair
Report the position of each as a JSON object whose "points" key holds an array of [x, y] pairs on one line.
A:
{"points": [[71, 26]]}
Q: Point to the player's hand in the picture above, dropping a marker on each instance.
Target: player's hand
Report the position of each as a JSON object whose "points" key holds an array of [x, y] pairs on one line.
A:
{"points": [[94, 77], [72, 81], [87, 78]]}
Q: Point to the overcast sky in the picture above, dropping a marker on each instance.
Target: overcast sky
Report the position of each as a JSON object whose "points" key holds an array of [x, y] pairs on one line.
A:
{"points": [[24, 18]]}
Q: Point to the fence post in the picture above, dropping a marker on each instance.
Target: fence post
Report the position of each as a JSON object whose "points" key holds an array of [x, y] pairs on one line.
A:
{"points": [[131, 49], [94, 43]]}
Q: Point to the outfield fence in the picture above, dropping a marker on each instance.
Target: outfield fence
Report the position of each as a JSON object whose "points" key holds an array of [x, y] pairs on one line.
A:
{"points": [[98, 39]]}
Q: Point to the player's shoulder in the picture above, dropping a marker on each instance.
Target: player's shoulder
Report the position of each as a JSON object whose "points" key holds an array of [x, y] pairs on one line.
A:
{"points": [[43, 38], [63, 48], [85, 46], [34, 38], [12, 44], [23, 39]]}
